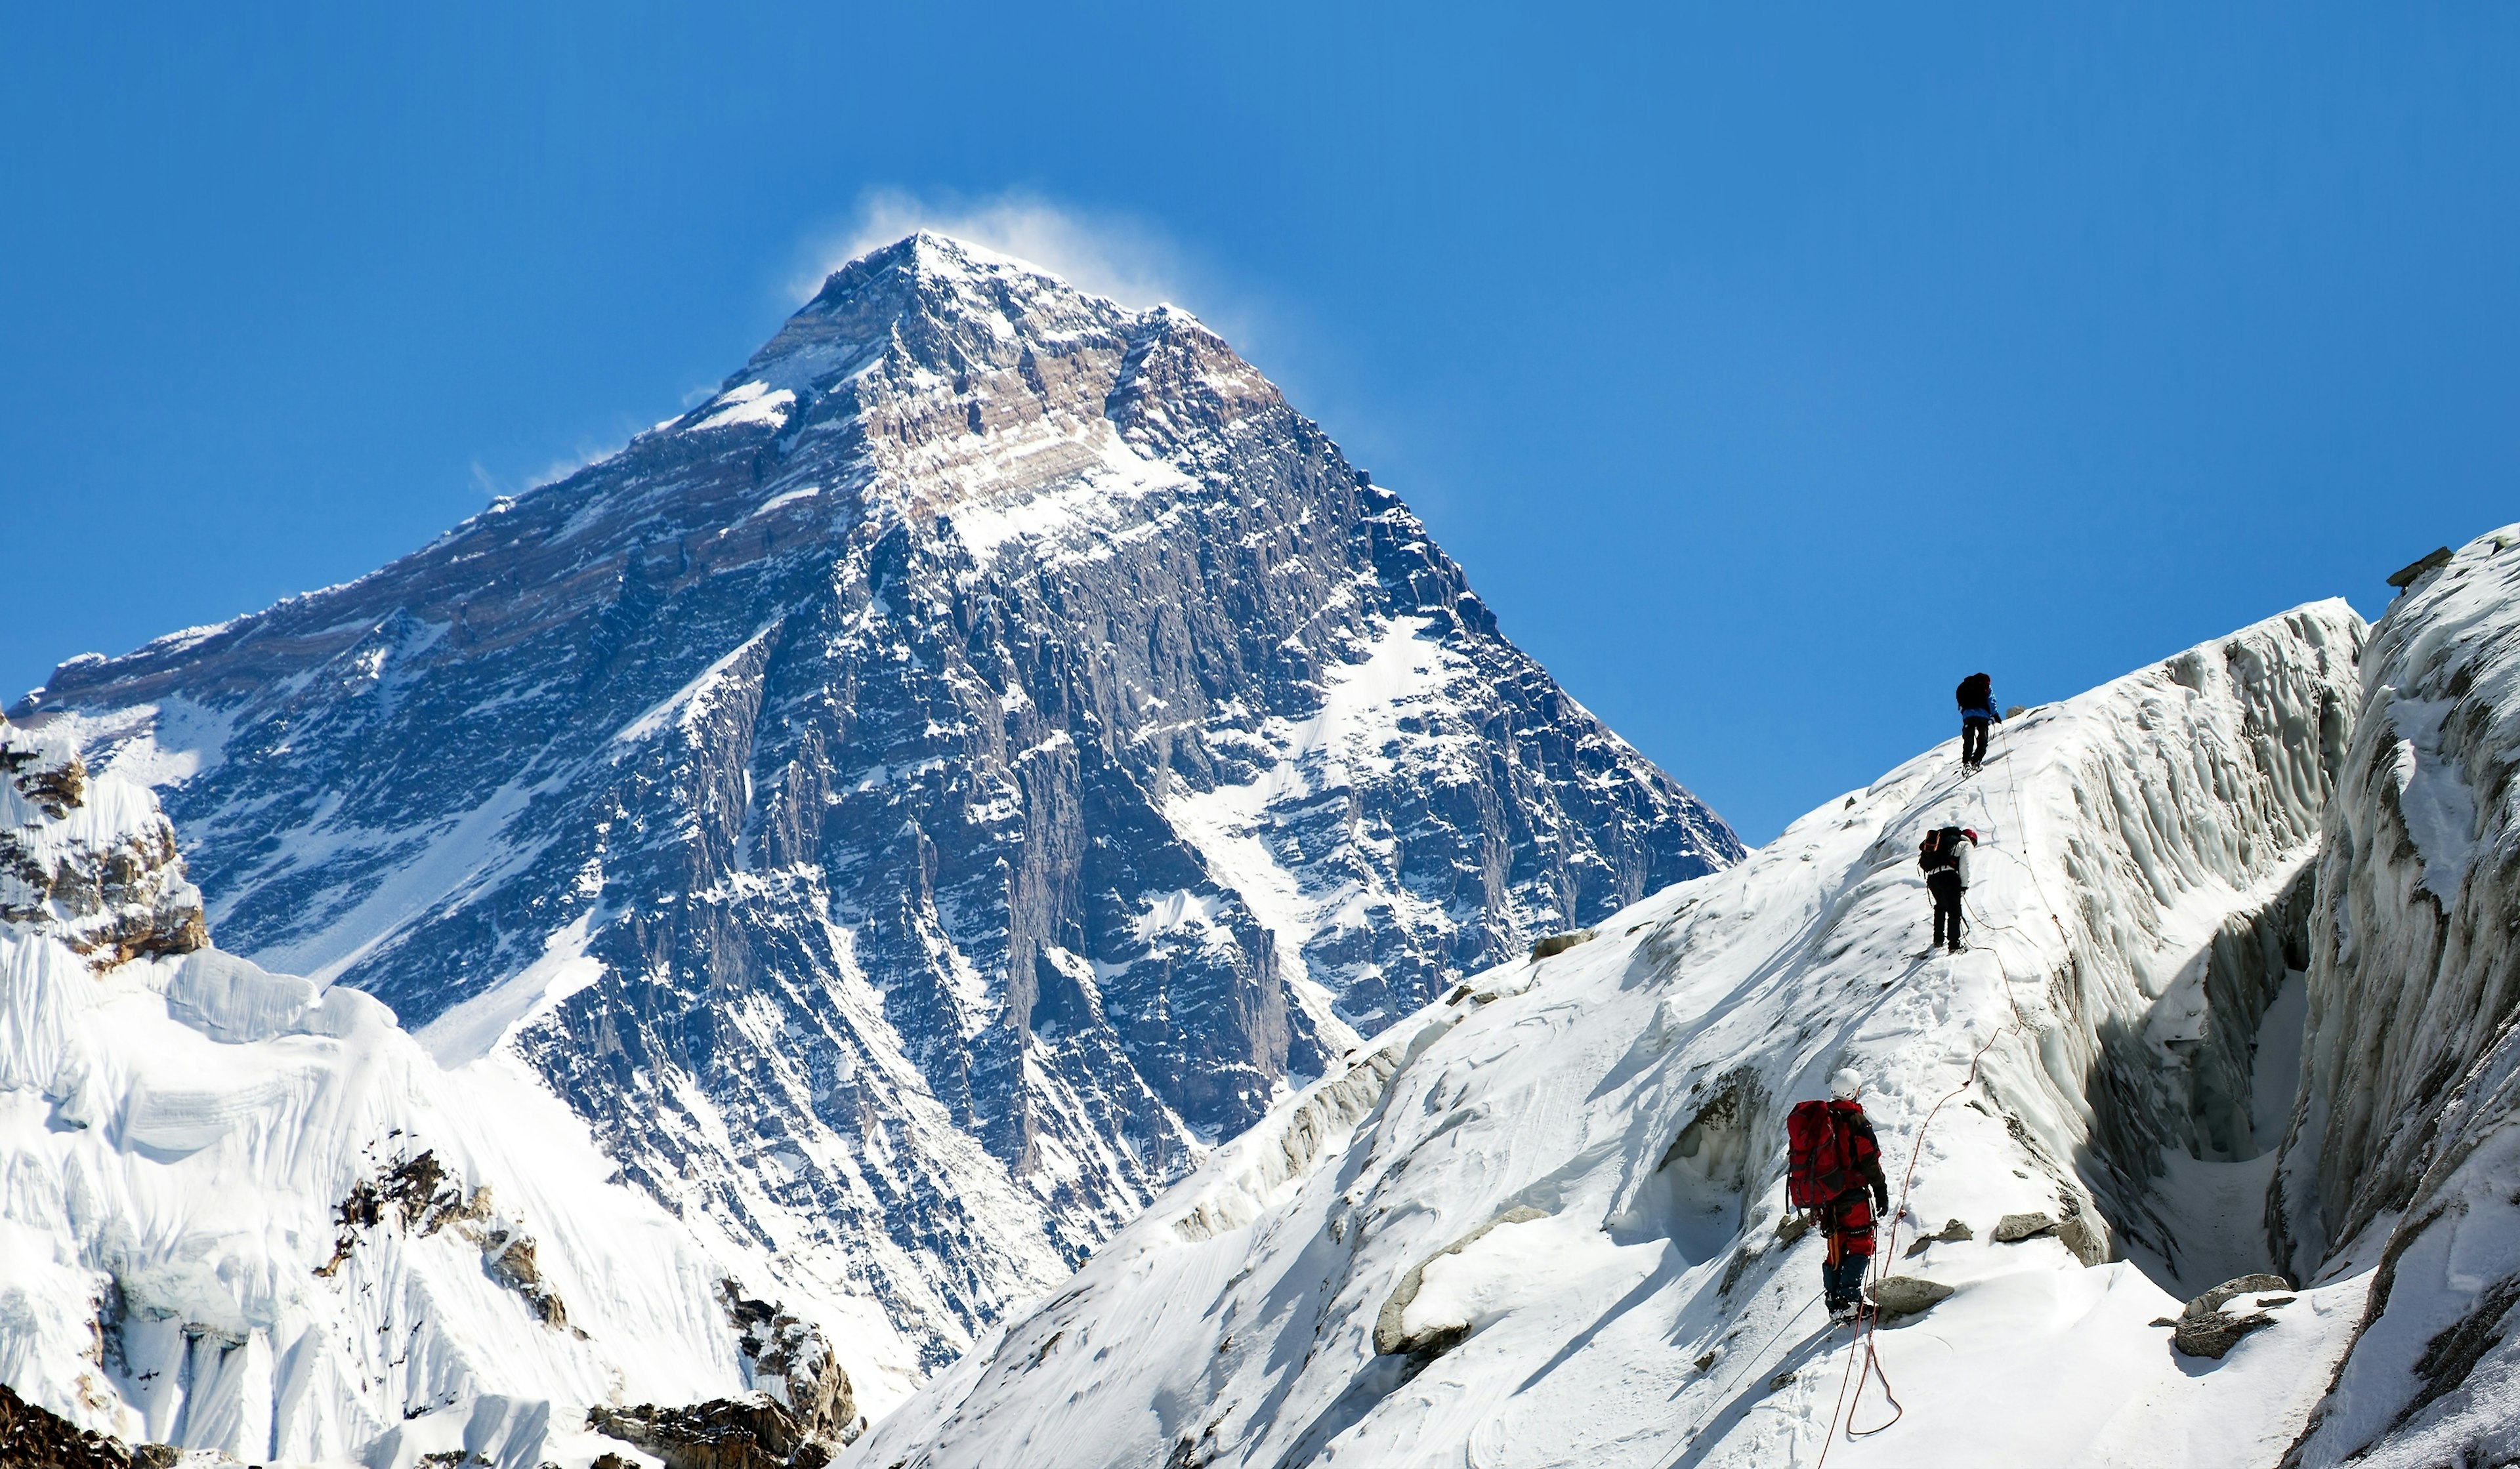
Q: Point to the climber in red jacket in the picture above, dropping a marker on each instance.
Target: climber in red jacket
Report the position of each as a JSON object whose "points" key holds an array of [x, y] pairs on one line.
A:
{"points": [[1833, 1172]]}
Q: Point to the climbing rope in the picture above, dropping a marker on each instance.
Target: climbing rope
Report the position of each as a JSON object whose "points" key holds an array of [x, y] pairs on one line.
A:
{"points": [[1753, 1360], [1865, 1351], [1866, 1322]]}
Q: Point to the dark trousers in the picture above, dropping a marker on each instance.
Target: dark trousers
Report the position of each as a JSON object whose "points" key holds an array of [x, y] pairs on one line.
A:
{"points": [[1946, 888], [1972, 742], [1843, 1280]]}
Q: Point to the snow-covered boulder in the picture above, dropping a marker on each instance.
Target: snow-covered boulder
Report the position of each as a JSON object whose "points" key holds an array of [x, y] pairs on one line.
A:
{"points": [[2139, 916]]}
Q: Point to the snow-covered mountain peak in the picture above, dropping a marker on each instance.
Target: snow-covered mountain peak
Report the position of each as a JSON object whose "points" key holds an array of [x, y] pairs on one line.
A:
{"points": [[969, 378], [931, 295], [914, 804]]}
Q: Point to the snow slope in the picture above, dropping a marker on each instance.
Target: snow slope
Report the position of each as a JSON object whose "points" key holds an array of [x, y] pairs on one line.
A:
{"points": [[242, 1213], [2403, 1157], [1537, 1225]]}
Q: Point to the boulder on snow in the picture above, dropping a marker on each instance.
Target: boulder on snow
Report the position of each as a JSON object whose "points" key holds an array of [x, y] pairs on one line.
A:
{"points": [[2214, 1334], [1953, 1232], [2238, 1285], [2205, 1329], [2013, 1229], [2086, 1236], [1896, 1296], [1559, 943]]}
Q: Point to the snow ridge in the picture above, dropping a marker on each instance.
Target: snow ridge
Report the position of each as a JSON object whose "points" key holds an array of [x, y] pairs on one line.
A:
{"points": [[1576, 1162]]}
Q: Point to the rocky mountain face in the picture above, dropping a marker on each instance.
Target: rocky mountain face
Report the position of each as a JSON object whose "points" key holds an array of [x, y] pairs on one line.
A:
{"points": [[914, 805], [102, 876]]}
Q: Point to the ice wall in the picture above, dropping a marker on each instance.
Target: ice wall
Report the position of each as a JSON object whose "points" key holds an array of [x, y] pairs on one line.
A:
{"points": [[1535, 1225], [2403, 1159]]}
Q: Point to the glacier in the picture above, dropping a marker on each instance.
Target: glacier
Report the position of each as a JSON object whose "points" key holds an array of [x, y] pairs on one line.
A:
{"points": [[1539, 1222], [2400, 1162]]}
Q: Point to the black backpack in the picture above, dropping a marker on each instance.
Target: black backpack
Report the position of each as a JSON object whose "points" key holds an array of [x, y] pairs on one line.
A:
{"points": [[1975, 690], [1942, 853]]}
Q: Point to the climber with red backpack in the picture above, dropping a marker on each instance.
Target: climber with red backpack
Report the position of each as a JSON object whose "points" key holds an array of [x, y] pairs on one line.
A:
{"points": [[1945, 857], [1834, 1174], [1977, 711]]}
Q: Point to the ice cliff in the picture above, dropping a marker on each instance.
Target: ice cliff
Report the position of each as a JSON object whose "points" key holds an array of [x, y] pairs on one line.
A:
{"points": [[1538, 1224], [2403, 1160], [247, 1215]]}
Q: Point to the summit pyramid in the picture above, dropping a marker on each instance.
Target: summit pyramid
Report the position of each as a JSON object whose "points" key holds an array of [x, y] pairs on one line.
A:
{"points": [[914, 806]]}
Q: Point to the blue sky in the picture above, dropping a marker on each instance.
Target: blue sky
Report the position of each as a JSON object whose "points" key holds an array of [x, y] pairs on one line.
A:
{"points": [[1768, 367]]}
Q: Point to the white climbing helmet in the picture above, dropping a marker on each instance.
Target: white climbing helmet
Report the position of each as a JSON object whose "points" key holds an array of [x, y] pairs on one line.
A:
{"points": [[1845, 1085]]}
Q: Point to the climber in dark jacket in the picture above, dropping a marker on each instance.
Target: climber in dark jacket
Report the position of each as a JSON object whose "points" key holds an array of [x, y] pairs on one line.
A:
{"points": [[1944, 858], [1977, 711]]}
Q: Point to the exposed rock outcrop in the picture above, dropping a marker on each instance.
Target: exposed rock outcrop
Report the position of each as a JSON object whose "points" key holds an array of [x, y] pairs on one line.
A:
{"points": [[418, 1195], [790, 1360], [31, 1438], [110, 888], [758, 1432]]}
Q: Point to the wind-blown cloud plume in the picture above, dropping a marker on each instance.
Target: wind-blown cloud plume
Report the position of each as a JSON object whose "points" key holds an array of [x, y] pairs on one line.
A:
{"points": [[1108, 254]]}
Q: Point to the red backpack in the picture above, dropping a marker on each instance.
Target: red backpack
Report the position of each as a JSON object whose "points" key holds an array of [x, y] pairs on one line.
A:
{"points": [[1819, 1155]]}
